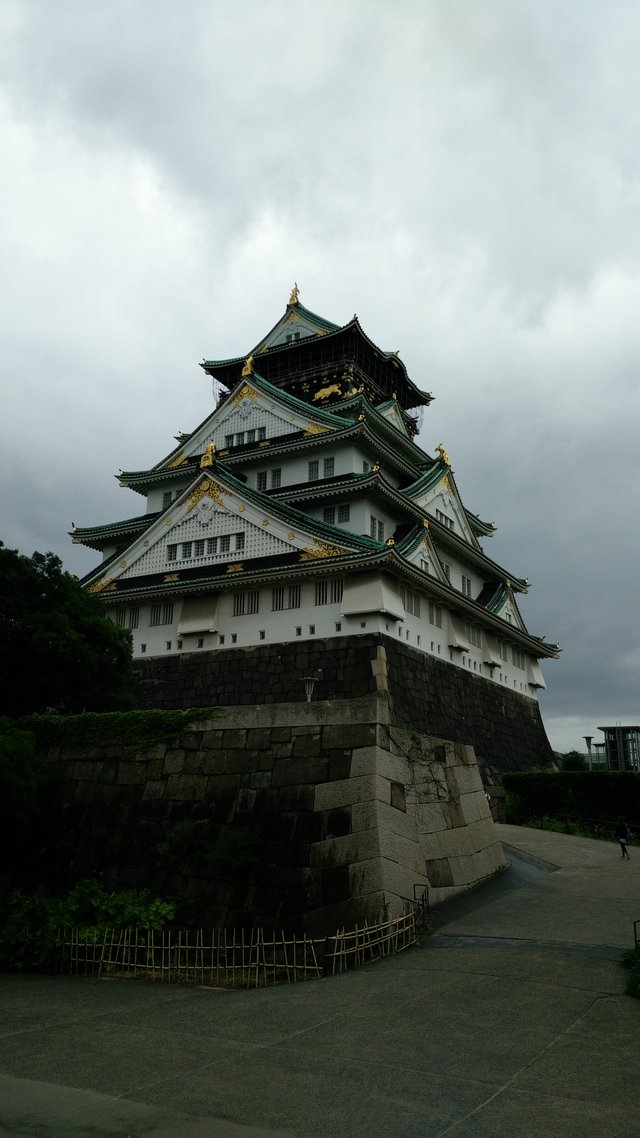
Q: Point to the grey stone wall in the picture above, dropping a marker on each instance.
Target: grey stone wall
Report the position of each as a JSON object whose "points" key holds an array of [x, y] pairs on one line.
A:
{"points": [[427, 694], [286, 815]]}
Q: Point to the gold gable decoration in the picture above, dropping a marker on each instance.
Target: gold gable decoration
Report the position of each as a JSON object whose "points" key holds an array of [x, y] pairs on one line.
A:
{"points": [[315, 429], [245, 392], [206, 489], [104, 585], [322, 549], [179, 461]]}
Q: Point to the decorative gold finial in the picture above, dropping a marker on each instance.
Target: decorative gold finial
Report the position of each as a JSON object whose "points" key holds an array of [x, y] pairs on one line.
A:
{"points": [[295, 293], [208, 456], [508, 582], [443, 454], [248, 366], [425, 523]]}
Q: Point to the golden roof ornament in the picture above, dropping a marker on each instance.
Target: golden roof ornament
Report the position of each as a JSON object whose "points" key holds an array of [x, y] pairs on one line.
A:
{"points": [[295, 293], [208, 456], [248, 366], [443, 454]]}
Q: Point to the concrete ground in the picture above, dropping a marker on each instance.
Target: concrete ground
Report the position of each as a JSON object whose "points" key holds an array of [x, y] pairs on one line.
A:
{"points": [[509, 1021]]}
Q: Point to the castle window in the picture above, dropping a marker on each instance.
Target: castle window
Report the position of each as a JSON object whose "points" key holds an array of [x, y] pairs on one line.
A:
{"points": [[473, 633], [277, 598], [119, 617], [517, 657], [261, 480], [166, 499], [161, 613], [246, 603], [198, 549], [504, 649], [343, 513], [262, 634], [329, 592], [298, 630], [313, 470], [239, 541], [172, 552], [435, 614], [225, 543], [376, 528], [444, 520], [251, 436], [294, 596], [276, 479], [312, 630], [328, 467], [228, 440], [200, 642], [143, 648], [212, 545], [240, 439], [329, 514], [466, 585], [411, 601], [134, 617], [322, 592], [185, 552], [447, 570], [261, 434]]}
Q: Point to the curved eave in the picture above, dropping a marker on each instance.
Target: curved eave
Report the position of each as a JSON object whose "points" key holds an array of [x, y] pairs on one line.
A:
{"points": [[355, 485], [360, 405], [96, 537], [480, 528], [458, 602], [144, 480], [468, 552], [228, 372]]}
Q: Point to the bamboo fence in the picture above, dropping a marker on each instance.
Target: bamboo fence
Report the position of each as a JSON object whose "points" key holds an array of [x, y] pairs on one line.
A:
{"points": [[224, 958]]}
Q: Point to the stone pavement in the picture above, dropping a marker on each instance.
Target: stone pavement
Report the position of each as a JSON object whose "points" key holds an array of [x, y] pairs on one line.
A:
{"points": [[510, 1021]]}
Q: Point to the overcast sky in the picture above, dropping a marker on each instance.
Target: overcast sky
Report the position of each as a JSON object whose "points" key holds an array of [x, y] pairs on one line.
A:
{"points": [[463, 174]]}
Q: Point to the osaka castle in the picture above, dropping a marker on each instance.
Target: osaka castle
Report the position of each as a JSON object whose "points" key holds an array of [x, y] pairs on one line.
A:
{"points": [[302, 507]]}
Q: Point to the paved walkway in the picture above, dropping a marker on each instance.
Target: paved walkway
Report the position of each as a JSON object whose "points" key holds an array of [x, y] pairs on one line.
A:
{"points": [[508, 1022]]}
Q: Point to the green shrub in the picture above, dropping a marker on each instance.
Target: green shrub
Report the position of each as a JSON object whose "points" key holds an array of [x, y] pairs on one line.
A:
{"points": [[30, 923], [20, 778], [132, 730], [592, 800]]}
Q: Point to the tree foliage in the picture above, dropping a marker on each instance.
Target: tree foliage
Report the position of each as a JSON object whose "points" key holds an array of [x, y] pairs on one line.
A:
{"points": [[58, 650]]}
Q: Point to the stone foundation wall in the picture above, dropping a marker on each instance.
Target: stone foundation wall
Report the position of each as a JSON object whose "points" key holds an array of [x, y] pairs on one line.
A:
{"points": [[426, 694], [351, 816]]}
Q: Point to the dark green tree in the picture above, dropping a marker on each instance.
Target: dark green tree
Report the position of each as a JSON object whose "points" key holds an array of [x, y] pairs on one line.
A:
{"points": [[58, 650], [573, 761]]}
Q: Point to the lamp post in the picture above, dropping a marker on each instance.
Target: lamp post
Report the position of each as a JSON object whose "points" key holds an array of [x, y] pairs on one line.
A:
{"points": [[310, 683]]}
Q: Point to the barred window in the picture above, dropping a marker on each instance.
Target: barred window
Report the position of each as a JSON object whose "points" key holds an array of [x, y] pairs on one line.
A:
{"points": [[239, 541], [473, 633], [444, 520], [198, 548], [134, 617], [240, 439], [228, 440], [277, 598], [314, 469], [328, 467], [244, 604], [261, 434], [251, 436], [261, 480], [329, 592], [435, 614], [119, 617], [276, 479], [447, 570], [411, 601], [166, 499], [343, 513], [185, 552], [172, 552], [517, 657], [212, 545], [294, 596], [225, 543], [329, 514], [466, 585], [504, 649], [161, 613]]}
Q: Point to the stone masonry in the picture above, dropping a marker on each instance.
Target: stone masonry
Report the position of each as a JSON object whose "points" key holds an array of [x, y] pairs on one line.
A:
{"points": [[349, 815]]}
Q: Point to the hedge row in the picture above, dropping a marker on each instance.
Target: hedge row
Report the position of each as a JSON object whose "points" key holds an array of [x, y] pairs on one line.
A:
{"points": [[591, 797]]}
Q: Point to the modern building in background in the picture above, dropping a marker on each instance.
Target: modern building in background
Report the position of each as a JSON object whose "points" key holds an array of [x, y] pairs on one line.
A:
{"points": [[304, 508], [621, 748]]}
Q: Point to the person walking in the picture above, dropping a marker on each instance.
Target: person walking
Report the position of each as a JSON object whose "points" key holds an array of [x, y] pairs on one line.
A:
{"points": [[622, 834]]}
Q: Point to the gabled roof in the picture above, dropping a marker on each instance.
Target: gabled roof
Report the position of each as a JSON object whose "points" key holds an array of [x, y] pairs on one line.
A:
{"points": [[270, 353], [96, 537]]}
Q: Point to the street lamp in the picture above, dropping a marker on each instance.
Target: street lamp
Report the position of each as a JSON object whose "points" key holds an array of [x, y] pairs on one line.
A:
{"points": [[588, 740]]}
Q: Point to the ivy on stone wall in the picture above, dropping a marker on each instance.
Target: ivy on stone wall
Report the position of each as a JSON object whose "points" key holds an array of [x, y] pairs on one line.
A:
{"points": [[135, 730]]}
